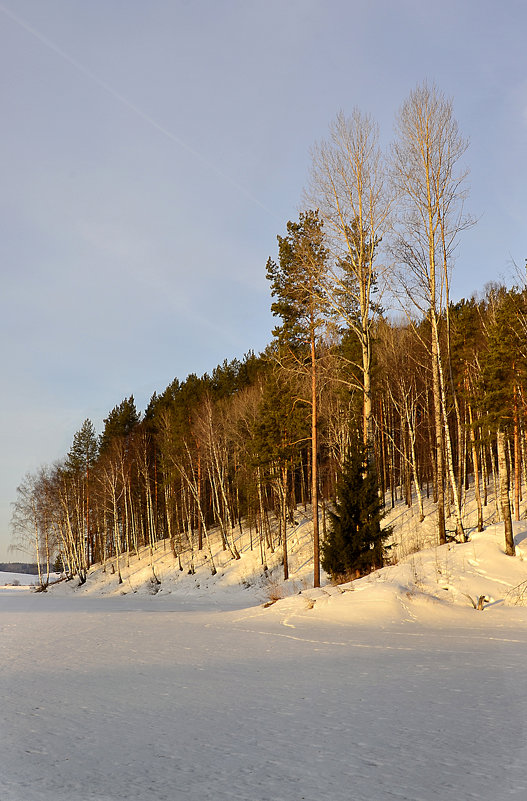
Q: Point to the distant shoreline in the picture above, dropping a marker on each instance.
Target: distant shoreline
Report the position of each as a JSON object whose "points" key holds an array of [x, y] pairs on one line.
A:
{"points": [[19, 567]]}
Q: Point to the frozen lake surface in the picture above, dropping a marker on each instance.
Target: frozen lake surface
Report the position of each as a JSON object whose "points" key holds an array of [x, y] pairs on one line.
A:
{"points": [[153, 698]]}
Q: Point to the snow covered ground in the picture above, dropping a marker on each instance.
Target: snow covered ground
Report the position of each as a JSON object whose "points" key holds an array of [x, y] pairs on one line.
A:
{"points": [[16, 580], [393, 688]]}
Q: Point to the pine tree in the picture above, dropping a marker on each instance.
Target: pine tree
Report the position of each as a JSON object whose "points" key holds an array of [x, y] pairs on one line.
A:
{"points": [[84, 449], [120, 422], [297, 283], [500, 387], [79, 464], [355, 542]]}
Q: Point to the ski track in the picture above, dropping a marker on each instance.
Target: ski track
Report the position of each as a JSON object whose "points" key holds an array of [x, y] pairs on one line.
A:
{"points": [[106, 700]]}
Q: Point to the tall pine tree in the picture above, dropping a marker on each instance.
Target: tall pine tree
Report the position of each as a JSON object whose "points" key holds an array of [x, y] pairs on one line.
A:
{"points": [[297, 283]]}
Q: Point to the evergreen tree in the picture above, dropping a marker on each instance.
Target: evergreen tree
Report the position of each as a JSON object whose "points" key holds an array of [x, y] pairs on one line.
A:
{"points": [[79, 465], [501, 383], [84, 450], [120, 422], [297, 283], [504, 364], [355, 542]]}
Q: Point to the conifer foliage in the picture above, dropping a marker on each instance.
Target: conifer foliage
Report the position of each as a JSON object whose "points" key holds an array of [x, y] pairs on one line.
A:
{"points": [[355, 542]]}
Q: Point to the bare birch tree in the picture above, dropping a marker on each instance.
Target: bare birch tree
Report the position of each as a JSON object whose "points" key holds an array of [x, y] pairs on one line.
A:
{"points": [[430, 186], [347, 185]]}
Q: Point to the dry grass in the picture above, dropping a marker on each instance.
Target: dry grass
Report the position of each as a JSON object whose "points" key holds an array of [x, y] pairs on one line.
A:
{"points": [[517, 596], [274, 589]]}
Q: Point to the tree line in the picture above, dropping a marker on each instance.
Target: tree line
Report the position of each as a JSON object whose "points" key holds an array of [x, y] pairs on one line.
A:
{"points": [[433, 399], [19, 567]]}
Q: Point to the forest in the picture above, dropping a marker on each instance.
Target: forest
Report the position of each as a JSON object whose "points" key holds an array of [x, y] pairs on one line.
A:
{"points": [[369, 355]]}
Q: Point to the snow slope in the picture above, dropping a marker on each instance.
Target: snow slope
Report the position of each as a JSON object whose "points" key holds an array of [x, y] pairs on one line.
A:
{"points": [[390, 688]]}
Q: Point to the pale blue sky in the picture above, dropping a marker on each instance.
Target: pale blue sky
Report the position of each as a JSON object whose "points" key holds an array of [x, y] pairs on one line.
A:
{"points": [[151, 152]]}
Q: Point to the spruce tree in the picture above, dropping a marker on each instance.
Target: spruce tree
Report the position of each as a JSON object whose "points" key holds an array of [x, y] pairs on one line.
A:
{"points": [[355, 542]]}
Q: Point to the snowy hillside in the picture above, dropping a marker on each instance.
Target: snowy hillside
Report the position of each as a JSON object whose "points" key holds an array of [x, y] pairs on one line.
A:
{"points": [[456, 574]]}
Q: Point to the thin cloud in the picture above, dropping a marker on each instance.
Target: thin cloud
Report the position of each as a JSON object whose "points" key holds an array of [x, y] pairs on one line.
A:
{"points": [[77, 65]]}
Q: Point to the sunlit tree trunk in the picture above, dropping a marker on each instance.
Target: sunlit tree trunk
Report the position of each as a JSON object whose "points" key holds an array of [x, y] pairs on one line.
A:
{"points": [[475, 462], [504, 493]]}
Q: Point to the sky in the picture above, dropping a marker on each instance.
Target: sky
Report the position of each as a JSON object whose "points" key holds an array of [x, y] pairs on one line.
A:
{"points": [[152, 152]]}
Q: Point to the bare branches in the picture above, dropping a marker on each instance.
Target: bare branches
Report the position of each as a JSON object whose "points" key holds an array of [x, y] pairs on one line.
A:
{"points": [[429, 183], [347, 184]]}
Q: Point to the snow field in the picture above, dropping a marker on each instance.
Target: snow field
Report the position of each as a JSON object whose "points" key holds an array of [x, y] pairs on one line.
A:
{"points": [[390, 688], [10, 580], [103, 701]]}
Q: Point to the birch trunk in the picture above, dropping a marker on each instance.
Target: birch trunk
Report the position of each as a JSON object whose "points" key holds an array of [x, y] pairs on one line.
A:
{"points": [[411, 428], [284, 522], [475, 462], [448, 443], [438, 426], [517, 458]]}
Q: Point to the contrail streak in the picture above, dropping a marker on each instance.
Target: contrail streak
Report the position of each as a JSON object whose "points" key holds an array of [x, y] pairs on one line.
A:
{"points": [[125, 102]]}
